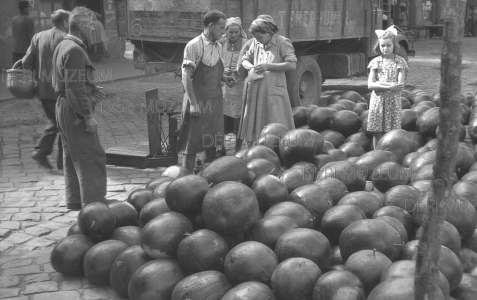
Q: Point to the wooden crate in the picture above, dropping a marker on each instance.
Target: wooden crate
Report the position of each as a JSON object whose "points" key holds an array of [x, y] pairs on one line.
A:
{"points": [[160, 151], [138, 157]]}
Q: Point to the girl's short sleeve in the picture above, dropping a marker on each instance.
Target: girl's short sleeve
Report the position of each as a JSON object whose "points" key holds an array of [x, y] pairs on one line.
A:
{"points": [[401, 63], [287, 51], [373, 64]]}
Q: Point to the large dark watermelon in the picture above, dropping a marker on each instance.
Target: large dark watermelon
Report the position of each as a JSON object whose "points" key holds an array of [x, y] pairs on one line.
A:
{"points": [[67, 256], [160, 237], [124, 267], [349, 173], [298, 213], [155, 280], [151, 210], [428, 121], [126, 214], [335, 187], [368, 235], [203, 250], [366, 201], [294, 178], [139, 197], [230, 208], [306, 243], [269, 191], [269, 229], [295, 278], [337, 218], [368, 265], [250, 290], [250, 261], [345, 122], [397, 141], [99, 260], [319, 118], [370, 160], [332, 284], [131, 235], [185, 194], [207, 285], [296, 146], [397, 289], [96, 220], [316, 199], [226, 168]]}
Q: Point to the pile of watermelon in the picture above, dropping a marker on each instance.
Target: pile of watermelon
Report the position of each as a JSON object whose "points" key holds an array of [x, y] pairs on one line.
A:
{"points": [[310, 213]]}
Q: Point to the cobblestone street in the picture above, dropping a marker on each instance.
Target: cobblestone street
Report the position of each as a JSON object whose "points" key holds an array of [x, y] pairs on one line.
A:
{"points": [[33, 216]]}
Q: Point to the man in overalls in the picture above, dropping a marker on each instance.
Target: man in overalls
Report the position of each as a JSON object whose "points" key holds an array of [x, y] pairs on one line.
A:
{"points": [[84, 157], [202, 107]]}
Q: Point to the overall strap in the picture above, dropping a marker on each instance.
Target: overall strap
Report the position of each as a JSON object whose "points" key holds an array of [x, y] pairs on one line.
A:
{"points": [[203, 48]]}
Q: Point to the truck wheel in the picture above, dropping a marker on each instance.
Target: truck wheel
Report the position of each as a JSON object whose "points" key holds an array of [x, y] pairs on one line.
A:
{"points": [[402, 52], [304, 83]]}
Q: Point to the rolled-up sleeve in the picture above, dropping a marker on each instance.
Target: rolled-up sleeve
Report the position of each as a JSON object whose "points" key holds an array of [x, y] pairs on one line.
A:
{"points": [[244, 49], [249, 53], [191, 55], [287, 51]]}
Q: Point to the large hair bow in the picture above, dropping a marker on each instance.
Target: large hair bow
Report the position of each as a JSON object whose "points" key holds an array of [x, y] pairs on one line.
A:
{"points": [[391, 29]]}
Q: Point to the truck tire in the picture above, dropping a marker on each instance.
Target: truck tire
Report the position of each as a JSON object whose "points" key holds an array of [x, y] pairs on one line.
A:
{"points": [[402, 52], [304, 83]]}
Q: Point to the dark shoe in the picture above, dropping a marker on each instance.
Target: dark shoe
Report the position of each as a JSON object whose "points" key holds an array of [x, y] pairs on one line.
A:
{"points": [[41, 158], [73, 206]]}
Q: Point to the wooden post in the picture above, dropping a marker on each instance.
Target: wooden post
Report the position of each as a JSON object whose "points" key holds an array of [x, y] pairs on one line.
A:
{"points": [[153, 121], [426, 282]]}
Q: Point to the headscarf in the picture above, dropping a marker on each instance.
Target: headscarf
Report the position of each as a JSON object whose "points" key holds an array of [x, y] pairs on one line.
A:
{"points": [[236, 21], [265, 22]]}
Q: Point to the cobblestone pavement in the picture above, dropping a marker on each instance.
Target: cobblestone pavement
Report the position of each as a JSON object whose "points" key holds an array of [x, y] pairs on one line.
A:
{"points": [[33, 217]]}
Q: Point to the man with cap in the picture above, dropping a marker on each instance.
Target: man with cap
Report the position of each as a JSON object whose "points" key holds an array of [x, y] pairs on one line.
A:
{"points": [[23, 29], [38, 58], [84, 157]]}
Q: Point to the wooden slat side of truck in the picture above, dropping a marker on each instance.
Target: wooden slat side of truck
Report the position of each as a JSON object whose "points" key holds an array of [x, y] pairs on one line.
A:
{"points": [[332, 38]]}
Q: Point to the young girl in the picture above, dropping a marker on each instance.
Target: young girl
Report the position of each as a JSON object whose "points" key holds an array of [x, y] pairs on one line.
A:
{"points": [[386, 79]]}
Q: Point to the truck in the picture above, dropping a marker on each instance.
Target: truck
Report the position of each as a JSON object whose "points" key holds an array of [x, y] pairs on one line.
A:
{"points": [[332, 38]]}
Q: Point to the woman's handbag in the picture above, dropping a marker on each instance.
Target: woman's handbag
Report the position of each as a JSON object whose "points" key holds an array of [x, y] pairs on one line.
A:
{"points": [[20, 82]]}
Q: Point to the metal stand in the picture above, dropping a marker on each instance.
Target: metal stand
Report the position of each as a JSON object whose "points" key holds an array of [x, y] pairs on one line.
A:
{"points": [[161, 151]]}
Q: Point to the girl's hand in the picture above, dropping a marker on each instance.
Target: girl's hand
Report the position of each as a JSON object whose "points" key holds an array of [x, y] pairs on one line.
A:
{"points": [[260, 68], [397, 87]]}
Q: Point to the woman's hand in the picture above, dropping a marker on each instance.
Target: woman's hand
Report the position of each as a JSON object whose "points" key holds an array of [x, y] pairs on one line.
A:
{"points": [[260, 68]]}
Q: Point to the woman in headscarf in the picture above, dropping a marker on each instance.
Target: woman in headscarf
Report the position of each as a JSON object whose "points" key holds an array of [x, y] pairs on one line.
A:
{"points": [[270, 55], [233, 41]]}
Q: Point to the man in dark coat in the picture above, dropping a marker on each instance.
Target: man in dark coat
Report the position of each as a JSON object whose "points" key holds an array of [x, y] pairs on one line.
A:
{"points": [[84, 157], [23, 29], [38, 58]]}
